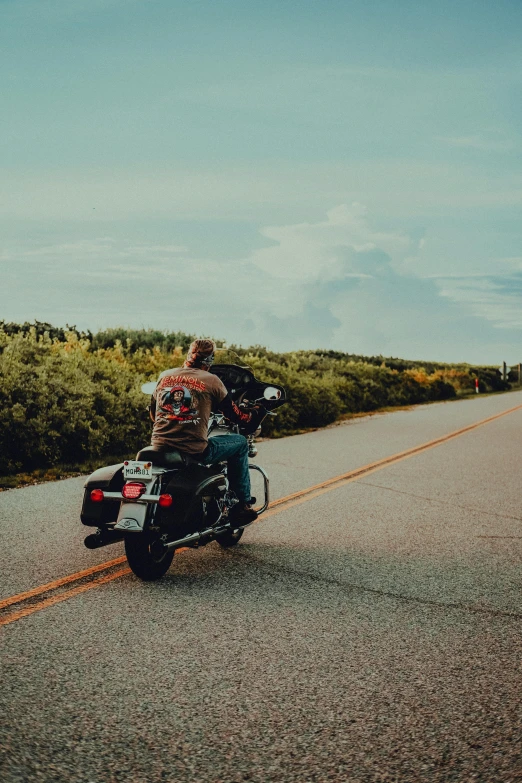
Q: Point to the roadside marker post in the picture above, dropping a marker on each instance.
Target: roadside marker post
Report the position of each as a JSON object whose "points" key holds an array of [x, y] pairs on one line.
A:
{"points": [[477, 385]]}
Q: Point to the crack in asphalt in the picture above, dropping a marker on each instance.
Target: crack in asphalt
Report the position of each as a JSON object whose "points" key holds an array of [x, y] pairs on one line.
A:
{"points": [[442, 502], [518, 538], [374, 591]]}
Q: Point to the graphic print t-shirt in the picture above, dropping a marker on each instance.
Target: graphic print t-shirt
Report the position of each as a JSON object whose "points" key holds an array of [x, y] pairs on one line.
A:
{"points": [[184, 397]]}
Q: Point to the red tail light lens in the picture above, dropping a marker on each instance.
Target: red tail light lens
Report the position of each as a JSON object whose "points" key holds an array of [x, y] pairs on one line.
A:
{"points": [[133, 490], [97, 495], [165, 501]]}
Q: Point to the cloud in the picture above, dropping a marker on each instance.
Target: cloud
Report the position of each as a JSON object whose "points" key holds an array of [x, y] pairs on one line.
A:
{"points": [[477, 142], [368, 287], [262, 194], [313, 324], [495, 297], [324, 267], [339, 282], [304, 250]]}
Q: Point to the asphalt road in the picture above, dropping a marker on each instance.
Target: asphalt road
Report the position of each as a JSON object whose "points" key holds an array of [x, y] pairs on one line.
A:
{"points": [[372, 633]]}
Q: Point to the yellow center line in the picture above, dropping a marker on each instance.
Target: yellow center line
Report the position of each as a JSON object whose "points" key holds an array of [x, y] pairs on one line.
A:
{"points": [[382, 463], [16, 599], [281, 504], [55, 599]]}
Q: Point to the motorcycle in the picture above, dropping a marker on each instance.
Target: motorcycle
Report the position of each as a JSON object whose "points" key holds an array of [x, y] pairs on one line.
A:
{"points": [[162, 501]]}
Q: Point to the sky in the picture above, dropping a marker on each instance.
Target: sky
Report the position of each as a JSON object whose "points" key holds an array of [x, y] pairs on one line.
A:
{"points": [[336, 174]]}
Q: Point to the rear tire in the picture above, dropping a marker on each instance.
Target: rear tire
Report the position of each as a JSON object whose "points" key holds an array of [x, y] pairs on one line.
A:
{"points": [[227, 540], [143, 562]]}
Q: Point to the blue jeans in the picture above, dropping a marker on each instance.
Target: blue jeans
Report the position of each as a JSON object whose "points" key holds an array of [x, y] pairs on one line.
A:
{"points": [[233, 449]]}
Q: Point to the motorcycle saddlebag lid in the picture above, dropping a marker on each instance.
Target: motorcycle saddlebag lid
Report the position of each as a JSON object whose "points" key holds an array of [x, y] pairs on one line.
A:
{"points": [[187, 488], [109, 478]]}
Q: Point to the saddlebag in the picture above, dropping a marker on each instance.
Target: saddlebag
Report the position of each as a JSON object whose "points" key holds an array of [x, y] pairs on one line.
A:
{"points": [[190, 488], [110, 479]]}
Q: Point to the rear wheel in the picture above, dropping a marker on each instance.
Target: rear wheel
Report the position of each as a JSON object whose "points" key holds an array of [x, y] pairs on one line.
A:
{"points": [[146, 559], [227, 540]]}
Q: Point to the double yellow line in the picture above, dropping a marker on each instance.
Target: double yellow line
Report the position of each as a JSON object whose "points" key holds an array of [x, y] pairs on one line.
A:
{"points": [[24, 604], [53, 593]]}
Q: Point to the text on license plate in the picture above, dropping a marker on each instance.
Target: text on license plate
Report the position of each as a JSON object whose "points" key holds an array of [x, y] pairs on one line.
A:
{"points": [[133, 469]]}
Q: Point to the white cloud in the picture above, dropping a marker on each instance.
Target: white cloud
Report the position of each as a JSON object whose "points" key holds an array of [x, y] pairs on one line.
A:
{"points": [[478, 142], [338, 283], [305, 251], [262, 194], [496, 297]]}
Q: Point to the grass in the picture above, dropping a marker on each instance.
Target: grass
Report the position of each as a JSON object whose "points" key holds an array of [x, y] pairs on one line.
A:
{"points": [[56, 473]]}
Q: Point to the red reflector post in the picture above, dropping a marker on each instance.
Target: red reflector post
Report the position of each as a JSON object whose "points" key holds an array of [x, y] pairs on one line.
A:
{"points": [[165, 501], [133, 490], [97, 495]]}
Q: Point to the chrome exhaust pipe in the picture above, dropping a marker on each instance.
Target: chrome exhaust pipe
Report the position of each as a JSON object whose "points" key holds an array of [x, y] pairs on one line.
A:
{"points": [[210, 531], [188, 539], [102, 538]]}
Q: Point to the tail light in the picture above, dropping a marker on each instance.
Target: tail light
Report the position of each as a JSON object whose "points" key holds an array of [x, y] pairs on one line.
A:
{"points": [[97, 495], [133, 490], [165, 501]]}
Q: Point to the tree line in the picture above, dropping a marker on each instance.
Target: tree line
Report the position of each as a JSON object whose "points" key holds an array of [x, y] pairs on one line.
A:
{"points": [[68, 396]]}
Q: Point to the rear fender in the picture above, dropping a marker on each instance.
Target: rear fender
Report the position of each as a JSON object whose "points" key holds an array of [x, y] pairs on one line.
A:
{"points": [[131, 517]]}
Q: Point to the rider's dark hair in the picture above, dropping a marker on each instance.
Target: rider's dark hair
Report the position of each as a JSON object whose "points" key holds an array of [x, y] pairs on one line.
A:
{"points": [[200, 352]]}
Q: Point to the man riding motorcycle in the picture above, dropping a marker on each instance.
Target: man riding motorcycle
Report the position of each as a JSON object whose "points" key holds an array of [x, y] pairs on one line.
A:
{"points": [[180, 409]]}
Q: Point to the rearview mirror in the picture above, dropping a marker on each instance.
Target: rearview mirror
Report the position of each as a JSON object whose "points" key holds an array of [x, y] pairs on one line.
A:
{"points": [[271, 393], [149, 387]]}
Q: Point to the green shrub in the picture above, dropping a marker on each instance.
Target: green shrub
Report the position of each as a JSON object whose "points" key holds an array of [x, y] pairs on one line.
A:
{"points": [[61, 404], [68, 396]]}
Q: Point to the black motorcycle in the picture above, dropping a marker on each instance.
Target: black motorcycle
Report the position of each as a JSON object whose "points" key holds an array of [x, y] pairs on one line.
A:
{"points": [[162, 501]]}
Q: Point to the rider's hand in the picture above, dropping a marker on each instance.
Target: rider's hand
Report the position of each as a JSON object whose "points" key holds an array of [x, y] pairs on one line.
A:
{"points": [[257, 414]]}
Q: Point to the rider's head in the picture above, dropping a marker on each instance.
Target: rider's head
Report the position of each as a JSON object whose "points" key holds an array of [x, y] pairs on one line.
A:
{"points": [[200, 354]]}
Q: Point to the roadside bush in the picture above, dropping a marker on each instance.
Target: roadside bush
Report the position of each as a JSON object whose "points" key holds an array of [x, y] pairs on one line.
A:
{"points": [[60, 404], [68, 396]]}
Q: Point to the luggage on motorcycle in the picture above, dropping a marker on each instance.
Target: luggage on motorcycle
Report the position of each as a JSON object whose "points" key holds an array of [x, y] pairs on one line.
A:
{"points": [[110, 479], [190, 488]]}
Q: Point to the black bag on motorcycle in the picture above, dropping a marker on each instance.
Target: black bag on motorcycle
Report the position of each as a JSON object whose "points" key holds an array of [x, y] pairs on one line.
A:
{"points": [[110, 479], [195, 491]]}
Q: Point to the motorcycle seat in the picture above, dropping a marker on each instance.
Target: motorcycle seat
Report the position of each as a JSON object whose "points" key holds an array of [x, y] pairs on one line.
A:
{"points": [[166, 458]]}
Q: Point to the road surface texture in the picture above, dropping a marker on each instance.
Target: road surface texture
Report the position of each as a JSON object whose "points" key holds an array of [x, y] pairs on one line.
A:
{"points": [[368, 633]]}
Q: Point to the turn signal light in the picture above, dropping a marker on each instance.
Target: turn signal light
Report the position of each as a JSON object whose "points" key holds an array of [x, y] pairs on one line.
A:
{"points": [[165, 501], [97, 495], [133, 490]]}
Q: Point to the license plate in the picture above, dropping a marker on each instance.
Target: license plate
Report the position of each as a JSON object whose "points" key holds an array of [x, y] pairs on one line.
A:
{"points": [[133, 470]]}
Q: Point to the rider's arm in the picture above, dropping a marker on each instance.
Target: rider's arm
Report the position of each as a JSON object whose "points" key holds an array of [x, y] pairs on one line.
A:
{"points": [[248, 421], [232, 412]]}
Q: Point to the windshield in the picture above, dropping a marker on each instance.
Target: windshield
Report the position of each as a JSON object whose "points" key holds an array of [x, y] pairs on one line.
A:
{"points": [[221, 356], [228, 356]]}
